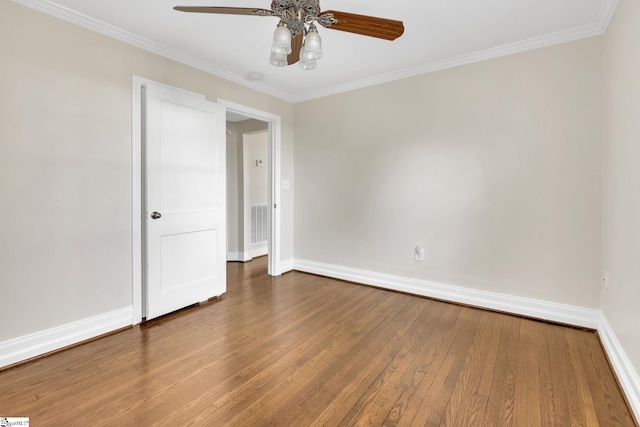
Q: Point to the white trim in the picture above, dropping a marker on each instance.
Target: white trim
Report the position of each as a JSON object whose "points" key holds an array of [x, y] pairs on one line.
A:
{"points": [[546, 310], [258, 252], [25, 347], [605, 14], [113, 32], [598, 27], [286, 266], [239, 256], [275, 137], [492, 53], [235, 256], [136, 197], [627, 374]]}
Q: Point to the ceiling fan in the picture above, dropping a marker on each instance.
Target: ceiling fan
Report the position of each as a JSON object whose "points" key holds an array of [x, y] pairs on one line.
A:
{"points": [[296, 38]]}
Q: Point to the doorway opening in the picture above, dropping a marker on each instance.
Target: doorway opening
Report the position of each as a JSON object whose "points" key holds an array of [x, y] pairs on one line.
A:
{"points": [[247, 188], [257, 159]]}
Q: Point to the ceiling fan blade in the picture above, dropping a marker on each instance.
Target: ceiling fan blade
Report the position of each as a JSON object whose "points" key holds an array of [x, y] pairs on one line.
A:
{"points": [[381, 28], [296, 45], [225, 10]]}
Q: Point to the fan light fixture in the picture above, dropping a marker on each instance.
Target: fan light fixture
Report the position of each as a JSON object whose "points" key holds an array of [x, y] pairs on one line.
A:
{"points": [[310, 51], [298, 24], [296, 37]]}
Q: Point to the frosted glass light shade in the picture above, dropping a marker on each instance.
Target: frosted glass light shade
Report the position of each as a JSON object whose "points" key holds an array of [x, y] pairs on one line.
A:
{"points": [[278, 60], [308, 65], [281, 40], [312, 45]]}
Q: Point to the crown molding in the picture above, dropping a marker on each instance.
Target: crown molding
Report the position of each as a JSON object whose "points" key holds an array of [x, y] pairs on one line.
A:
{"points": [[606, 14], [598, 27], [69, 15]]}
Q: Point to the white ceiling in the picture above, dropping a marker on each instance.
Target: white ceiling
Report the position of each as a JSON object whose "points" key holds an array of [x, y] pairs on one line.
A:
{"points": [[438, 34]]}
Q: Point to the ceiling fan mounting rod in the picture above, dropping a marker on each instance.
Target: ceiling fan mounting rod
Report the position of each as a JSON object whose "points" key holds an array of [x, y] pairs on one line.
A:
{"points": [[295, 14]]}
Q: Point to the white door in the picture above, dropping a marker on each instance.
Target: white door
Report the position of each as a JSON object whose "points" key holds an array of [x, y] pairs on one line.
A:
{"points": [[185, 200]]}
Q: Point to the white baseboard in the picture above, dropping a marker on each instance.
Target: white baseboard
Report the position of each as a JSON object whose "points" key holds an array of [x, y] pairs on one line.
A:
{"points": [[239, 256], [627, 374], [233, 256], [545, 310], [286, 266], [22, 348], [260, 251]]}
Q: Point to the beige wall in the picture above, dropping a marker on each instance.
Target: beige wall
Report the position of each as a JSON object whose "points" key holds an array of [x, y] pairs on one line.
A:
{"points": [[494, 167], [621, 237], [65, 160], [257, 148]]}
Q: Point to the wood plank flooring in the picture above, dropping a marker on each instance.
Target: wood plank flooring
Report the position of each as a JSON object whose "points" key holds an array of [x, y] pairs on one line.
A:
{"points": [[301, 350]]}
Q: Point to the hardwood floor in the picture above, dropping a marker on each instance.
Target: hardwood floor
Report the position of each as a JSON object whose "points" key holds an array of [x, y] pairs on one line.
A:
{"points": [[301, 350]]}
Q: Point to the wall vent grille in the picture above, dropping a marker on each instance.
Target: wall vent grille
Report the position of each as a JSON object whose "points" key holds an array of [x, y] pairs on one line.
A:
{"points": [[259, 224]]}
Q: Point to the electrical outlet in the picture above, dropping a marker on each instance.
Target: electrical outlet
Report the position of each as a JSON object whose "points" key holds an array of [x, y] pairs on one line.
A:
{"points": [[418, 253], [605, 280]]}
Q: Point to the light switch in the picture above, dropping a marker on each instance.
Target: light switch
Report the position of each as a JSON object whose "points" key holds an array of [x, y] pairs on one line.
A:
{"points": [[285, 184]]}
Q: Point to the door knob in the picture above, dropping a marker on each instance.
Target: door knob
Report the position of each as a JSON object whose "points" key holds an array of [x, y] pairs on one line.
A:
{"points": [[156, 215]]}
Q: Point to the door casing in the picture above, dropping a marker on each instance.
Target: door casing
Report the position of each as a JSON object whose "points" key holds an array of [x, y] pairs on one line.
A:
{"points": [[275, 133]]}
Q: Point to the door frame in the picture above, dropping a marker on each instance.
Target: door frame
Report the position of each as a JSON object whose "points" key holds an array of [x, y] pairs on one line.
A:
{"points": [[273, 199], [137, 183]]}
